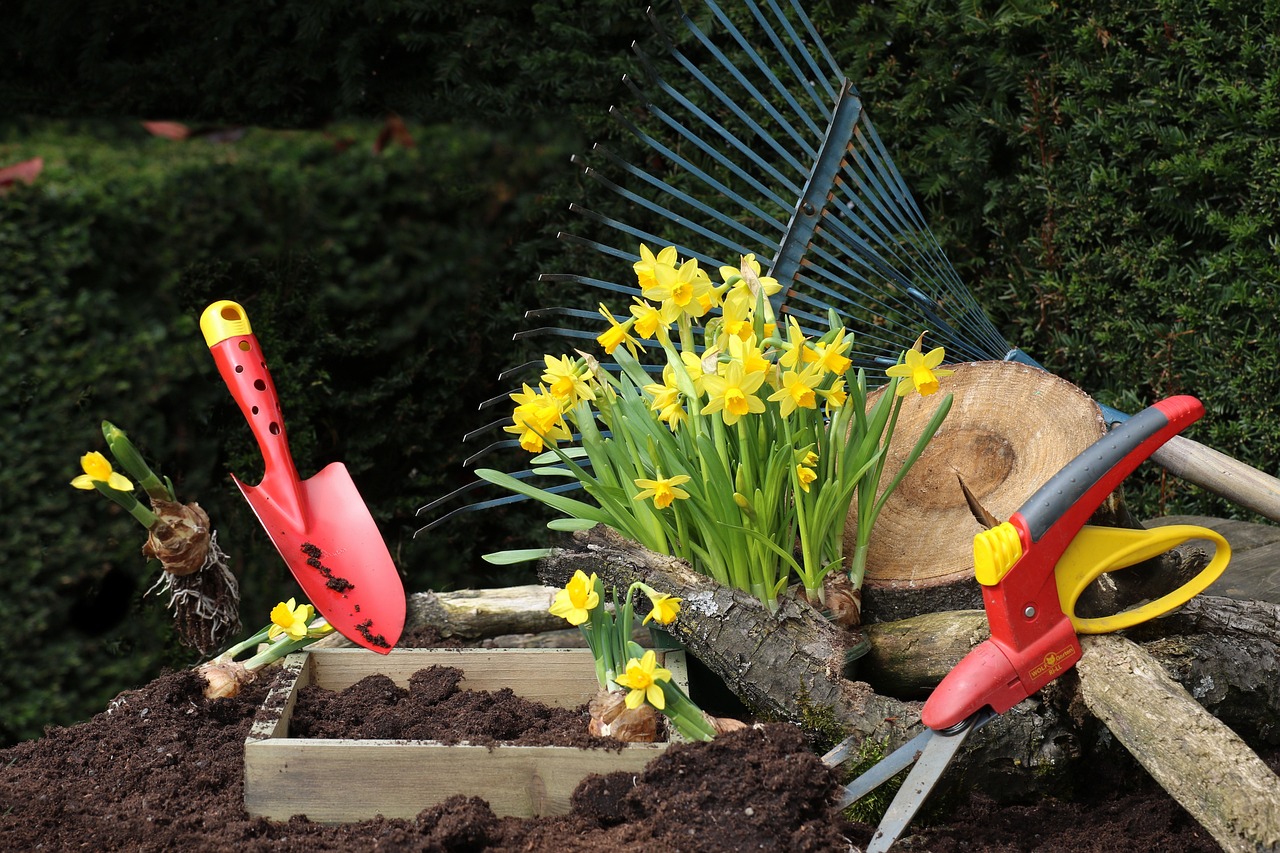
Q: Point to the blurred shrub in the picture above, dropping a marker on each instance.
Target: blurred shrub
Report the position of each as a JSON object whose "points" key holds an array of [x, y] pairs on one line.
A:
{"points": [[384, 290]]}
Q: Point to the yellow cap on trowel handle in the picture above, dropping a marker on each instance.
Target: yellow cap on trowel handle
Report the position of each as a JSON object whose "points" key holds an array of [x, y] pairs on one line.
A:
{"points": [[224, 319]]}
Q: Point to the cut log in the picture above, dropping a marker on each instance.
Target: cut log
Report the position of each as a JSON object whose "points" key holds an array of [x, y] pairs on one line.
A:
{"points": [[1011, 428], [1203, 764]]}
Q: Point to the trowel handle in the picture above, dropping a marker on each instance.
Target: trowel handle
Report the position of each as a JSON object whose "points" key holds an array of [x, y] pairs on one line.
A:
{"points": [[243, 367]]}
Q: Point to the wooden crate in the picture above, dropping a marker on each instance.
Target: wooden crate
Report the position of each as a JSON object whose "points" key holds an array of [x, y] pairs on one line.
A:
{"points": [[337, 781]]}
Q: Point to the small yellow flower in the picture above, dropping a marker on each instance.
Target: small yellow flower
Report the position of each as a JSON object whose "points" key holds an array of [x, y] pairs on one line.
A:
{"points": [[664, 393], [642, 677], [734, 393], [98, 470], [832, 356], [749, 278], [290, 618], [680, 291], [662, 490], [648, 319], [796, 352], [798, 390], [617, 333], [649, 262], [578, 598], [806, 476], [922, 370], [564, 380], [537, 419], [665, 607], [835, 396]]}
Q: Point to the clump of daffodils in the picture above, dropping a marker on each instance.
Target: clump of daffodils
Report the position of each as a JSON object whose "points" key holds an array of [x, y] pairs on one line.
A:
{"points": [[293, 626], [633, 687], [753, 437], [203, 593]]}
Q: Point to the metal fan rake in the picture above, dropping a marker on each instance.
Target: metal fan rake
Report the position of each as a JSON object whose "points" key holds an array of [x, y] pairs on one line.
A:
{"points": [[757, 143]]}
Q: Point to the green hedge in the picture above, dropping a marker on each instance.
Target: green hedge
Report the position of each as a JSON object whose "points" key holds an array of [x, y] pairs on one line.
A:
{"points": [[1107, 177], [384, 290]]}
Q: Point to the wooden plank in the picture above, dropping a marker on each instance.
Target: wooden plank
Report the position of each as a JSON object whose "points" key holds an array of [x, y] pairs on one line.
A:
{"points": [[560, 677], [398, 779], [281, 699], [395, 778]]}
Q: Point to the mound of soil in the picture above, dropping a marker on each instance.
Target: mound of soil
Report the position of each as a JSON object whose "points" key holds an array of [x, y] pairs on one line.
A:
{"points": [[161, 769]]}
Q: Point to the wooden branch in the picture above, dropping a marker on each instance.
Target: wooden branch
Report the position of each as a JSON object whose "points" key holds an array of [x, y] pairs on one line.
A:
{"points": [[477, 614], [1203, 764]]}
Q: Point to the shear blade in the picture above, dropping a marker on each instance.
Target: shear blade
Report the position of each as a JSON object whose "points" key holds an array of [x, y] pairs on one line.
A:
{"points": [[935, 757]]}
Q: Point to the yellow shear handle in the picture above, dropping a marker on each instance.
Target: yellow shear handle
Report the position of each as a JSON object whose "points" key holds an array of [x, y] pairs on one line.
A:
{"points": [[1098, 550]]}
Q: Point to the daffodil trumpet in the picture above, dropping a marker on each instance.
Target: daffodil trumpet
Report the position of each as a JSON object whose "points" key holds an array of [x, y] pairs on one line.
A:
{"points": [[756, 436], [293, 627], [203, 593]]}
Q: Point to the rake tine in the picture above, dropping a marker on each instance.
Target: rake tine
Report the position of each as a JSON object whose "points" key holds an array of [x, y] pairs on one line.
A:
{"points": [[505, 396], [599, 284], [815, 73], [756, 238], [641, 235], [489, 427], [670, 215], [503, 501], [764, 190], [755, 94], [815, 130]]}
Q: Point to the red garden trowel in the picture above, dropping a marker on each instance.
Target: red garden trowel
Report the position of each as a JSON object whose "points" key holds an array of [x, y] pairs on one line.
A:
{"points": [[320, 525]]}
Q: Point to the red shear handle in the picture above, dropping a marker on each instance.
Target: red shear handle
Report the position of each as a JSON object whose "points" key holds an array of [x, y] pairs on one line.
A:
{"points": [[1032, 640], [239, 357]]}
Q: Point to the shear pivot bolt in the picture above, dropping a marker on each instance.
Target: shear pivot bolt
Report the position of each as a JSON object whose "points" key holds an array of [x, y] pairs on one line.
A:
{"points": [[1030, 612]]}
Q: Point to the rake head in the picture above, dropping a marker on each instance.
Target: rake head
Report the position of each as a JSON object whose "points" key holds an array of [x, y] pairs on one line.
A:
{"points": [[754, 143]]}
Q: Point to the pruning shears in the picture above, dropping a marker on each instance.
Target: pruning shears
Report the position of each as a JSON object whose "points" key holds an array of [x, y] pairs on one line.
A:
{"points": [[1032, 570]]}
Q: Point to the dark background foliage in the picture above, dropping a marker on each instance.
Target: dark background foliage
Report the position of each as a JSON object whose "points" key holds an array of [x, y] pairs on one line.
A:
{"points": [[1105, 178]]}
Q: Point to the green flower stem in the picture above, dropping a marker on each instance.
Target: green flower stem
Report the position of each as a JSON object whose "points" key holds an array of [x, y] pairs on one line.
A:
{"points": [[276, 651], [131, 460], [144, 516], [253, 641]]}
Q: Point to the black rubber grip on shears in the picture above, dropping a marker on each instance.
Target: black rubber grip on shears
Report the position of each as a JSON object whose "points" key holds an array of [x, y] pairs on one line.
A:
{"points": [[1065, 489]]}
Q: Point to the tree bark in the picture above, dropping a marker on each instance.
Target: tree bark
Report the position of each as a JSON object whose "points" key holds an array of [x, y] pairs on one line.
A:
{"points": [[788, 665], [1203, 764]]}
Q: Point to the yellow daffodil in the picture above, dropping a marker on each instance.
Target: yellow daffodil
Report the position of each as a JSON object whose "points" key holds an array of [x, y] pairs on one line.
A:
{"points": [[617, 333], [752, 358], [290, 618], [921, 369], [679, 291], [648, 262], [98, 470], [664, 393], [834, 396], [641, 679], [735, 320], [564, 380], [798, 390], [665, 607], [663, 490], [575, 602], [674, 415], [796, 351], [695, 366], [806, 476], [733, 395], [537, 419], [832, 356], [749, 279], [648, 319]]}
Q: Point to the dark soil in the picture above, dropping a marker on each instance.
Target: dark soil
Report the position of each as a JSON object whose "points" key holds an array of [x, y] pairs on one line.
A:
{"points": [[161, 769]]}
